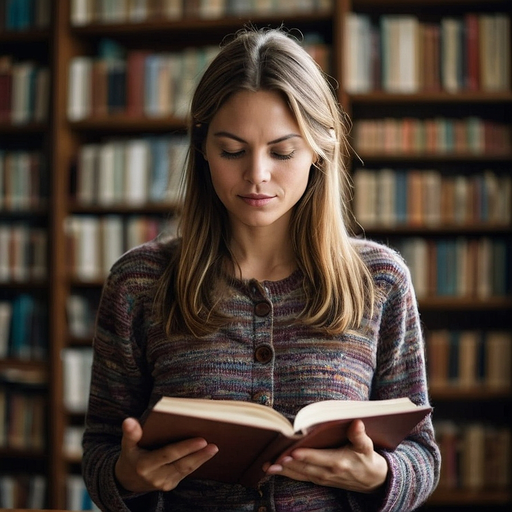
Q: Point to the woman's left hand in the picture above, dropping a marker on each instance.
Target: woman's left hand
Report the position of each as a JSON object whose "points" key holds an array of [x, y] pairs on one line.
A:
{"points": [[355, 467]]}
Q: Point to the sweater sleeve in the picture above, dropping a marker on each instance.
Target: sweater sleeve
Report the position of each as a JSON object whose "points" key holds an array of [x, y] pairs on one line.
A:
{"points": [[120, 387], [401, 371]]}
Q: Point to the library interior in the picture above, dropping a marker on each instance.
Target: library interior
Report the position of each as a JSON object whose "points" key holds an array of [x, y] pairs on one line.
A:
{"points": [[93, 99]]}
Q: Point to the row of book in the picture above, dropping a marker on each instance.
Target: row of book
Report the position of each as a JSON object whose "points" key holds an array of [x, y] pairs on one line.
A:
{"points": [[22, 181], [469, 359], [23, 328], [414, 136], [24, 91], [22, 419], [76, 369], [84, 12], [22, 491], [458, 267], [475, 456], [144, 83], [131, 172], [96, 242], [140, 83], [398, 53], [23, 252], [410, 197], [18, 15]]}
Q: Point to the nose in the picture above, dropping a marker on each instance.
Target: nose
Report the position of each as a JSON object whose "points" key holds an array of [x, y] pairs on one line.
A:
{"points": [[258, 169]]}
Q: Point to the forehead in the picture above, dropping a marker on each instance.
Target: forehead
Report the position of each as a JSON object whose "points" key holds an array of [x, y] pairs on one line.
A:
{"points": [[263, 109]]}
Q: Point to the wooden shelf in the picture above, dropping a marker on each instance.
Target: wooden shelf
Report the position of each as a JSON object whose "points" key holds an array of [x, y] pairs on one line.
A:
{"points": [[504, 97], [126, 124]]}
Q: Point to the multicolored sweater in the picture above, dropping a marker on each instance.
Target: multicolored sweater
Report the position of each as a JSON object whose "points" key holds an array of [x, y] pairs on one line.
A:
{"points": [[135, 363]]}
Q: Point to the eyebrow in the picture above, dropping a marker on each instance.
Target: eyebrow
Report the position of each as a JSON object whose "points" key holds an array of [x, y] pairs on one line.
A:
{"points": [[239, 139]]}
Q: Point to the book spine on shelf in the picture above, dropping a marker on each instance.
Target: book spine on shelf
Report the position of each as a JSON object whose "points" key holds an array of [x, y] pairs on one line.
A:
{"points": [[470, 52]]}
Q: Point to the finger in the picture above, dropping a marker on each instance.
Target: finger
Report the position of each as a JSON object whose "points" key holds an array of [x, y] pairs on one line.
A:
{"points": [[357, 437], [188, 464], [132, 433], [181, 453]]}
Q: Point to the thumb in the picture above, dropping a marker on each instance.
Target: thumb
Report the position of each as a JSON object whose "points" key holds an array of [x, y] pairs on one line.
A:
{"points": [[132, 433], [357, 436]]}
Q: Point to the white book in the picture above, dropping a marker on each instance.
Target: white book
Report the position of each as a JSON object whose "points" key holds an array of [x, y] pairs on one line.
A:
{"points": [[79, 89], [119, 162], [87, 174], [112, 241], [88, 251], [76, 368], [80, 12], [432, 183], [177, 162], [451, 54], [77, 313], [386, 197], [356, 59], [408, 51], [137, 171], [137, 10], [106, 189], [21, 91], [365, 200], [36, 492]]}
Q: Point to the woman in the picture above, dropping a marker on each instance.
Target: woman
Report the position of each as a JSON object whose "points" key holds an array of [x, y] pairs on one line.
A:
{"points": [[264, 259]]}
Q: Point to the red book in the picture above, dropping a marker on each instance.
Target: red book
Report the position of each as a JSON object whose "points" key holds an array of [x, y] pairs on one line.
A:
{"points": [[472, 52], [135, 74], [249, 434], [5, 89]]}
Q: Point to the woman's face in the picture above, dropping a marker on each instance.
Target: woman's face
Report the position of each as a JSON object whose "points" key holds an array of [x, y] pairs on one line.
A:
{"points": [[258, 160]]}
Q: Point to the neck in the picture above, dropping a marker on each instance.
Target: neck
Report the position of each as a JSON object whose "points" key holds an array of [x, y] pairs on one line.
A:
{"points": [[262, 255]]}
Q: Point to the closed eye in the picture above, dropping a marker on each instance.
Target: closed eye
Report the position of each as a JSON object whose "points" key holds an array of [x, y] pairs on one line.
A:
{"points": [[231, 155], [280, 156]]}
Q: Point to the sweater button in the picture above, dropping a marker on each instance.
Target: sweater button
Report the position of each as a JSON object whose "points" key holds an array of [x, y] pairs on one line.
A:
{"points": [[263, 354], [262, 309]]}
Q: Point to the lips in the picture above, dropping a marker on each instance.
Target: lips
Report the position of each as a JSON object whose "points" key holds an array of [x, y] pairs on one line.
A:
{"points": [[256, 199]]}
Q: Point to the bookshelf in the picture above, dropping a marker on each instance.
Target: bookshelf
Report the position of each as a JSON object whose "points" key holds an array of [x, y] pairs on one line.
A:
{"points": [[65, 207]]}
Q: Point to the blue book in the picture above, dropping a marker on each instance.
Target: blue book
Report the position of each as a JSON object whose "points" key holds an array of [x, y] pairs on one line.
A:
{"points": [[159, 148], [21, 326]]}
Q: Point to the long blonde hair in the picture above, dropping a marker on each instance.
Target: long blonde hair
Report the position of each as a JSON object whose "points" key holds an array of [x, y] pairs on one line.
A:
{"points": [[337, 284]]}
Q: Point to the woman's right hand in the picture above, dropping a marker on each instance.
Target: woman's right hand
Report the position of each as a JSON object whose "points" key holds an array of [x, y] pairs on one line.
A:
{"points": [[140, 470]]}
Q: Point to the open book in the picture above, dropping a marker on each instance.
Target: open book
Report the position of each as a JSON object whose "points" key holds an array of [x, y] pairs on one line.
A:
{"points": [[249, 434]]}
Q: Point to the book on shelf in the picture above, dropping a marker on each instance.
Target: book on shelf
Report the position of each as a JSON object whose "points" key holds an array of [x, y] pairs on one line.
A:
{"points": [[432, 136], [459, 266], [250, 434], [475, 455], [22, 15], [430, 198], [470, 359], [466, 52]]}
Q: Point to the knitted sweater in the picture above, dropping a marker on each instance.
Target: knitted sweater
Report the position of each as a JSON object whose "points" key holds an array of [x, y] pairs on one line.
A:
{"points": [[135, 363]]}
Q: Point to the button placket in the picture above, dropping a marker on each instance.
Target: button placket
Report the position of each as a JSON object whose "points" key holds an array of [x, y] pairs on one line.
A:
{"points": [[263, 369]]}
